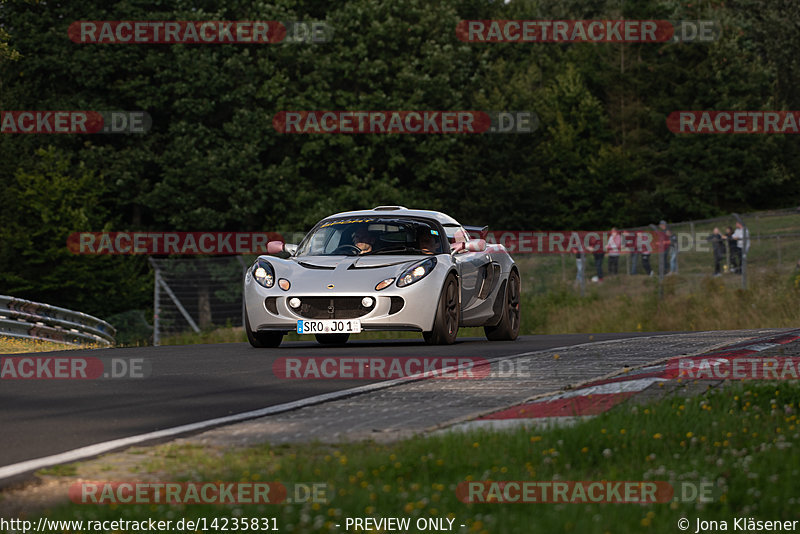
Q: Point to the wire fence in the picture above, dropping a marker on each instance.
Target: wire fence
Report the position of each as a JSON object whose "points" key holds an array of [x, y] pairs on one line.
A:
{"points": [[774, 246], [201, 293], [196, 294]]}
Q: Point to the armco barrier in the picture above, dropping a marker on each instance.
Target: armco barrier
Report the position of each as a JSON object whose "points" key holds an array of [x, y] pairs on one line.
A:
{"points": [[33, 320]]}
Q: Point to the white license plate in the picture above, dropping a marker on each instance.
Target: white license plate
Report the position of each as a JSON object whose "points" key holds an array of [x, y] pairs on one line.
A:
{"points": [[329, 326]]}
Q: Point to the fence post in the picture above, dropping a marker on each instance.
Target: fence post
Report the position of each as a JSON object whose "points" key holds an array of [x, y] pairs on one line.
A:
{"points": [[156, 304], [244, 274], [745, 246], [171, 295], [661, 257]]}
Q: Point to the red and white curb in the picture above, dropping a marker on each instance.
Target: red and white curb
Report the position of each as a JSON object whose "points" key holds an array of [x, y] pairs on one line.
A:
{"points": [[596, 397]]}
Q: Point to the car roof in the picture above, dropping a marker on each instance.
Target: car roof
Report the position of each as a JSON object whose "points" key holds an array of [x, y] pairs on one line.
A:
{"points": [[397, 211]]}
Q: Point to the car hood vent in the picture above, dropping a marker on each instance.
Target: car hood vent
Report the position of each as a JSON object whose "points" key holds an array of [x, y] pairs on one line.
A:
{"points": [[376, 263], [308, 265], [364, 262]]}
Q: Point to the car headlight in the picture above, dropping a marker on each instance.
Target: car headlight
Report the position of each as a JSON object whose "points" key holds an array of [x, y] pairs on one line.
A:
{"points": [[264, 273], [416, 272]]}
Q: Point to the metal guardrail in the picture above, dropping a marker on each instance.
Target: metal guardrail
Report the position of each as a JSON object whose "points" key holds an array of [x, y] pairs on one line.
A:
{"points": [[34, 320]]}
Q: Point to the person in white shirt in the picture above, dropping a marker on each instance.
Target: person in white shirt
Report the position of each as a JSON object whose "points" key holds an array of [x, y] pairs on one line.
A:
{"points": [[742, 237], [613, 248]]}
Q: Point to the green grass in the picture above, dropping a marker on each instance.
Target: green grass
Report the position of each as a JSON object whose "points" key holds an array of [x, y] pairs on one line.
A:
{"points": [[65, 470], [741, 440], [15, 345], [628, 304]]}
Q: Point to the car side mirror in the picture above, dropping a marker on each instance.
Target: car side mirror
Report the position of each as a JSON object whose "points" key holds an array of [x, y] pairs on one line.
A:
{"points": [[476, 245], [275, 247]]}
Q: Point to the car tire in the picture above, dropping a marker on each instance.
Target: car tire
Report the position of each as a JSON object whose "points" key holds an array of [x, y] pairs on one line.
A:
{"points": [[332, 339], [261, 340], [508, 327], [448, 315]]}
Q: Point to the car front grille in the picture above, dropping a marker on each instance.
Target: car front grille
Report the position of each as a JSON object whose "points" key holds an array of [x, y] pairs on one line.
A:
{"points": [[333, 308]]}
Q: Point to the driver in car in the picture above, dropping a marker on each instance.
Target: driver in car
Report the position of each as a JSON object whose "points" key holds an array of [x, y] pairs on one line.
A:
{"points": [[428, 244], [363, 240]]}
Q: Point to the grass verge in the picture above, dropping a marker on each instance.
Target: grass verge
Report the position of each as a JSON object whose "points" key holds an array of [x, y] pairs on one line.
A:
{"points": [[15, 345], [742, 440]]}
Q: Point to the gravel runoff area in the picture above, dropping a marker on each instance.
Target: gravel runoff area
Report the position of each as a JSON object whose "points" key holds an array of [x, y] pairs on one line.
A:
{"points": [[431, 404]]}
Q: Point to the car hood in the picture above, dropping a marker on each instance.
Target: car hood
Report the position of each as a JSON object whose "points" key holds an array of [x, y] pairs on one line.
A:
{"points": [[315, 275], [354, 262]]}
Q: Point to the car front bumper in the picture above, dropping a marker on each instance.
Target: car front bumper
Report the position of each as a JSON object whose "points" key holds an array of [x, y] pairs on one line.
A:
{"points": [[269, 310]]}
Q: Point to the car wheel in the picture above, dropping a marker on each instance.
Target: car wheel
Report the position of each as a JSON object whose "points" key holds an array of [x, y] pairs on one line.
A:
{"points": [[261, 340], [508, 327], [332, 339], [448, 315]]}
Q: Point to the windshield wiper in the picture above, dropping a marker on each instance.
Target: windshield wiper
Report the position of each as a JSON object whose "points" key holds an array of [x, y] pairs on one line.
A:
{"points": [[391, 250]]}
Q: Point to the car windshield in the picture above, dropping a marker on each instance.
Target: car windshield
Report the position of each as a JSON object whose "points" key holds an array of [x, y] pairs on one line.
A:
{"points": [[356, 236]]}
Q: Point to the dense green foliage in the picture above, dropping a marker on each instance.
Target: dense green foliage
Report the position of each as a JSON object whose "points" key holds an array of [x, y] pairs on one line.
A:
{"points": [[602, 154]]}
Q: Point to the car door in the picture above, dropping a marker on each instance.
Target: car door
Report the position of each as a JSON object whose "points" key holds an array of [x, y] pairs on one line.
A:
{"points": [[472, 267]]}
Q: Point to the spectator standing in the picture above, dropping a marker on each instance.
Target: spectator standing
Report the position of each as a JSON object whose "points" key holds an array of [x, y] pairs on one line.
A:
{"points": [[732, 265], [663, 240], [718, 249], [646, 250], [673, 252], [596, 247], [648, 269], [580, 262], [742, 238], [614, 246], [630, 238]]}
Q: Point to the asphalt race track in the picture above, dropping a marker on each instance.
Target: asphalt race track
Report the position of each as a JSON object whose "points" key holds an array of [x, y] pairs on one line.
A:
{"points": [[195, 383]]}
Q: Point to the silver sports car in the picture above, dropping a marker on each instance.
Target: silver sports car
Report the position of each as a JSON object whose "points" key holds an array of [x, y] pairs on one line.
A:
{"points": [[389, 268]]}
